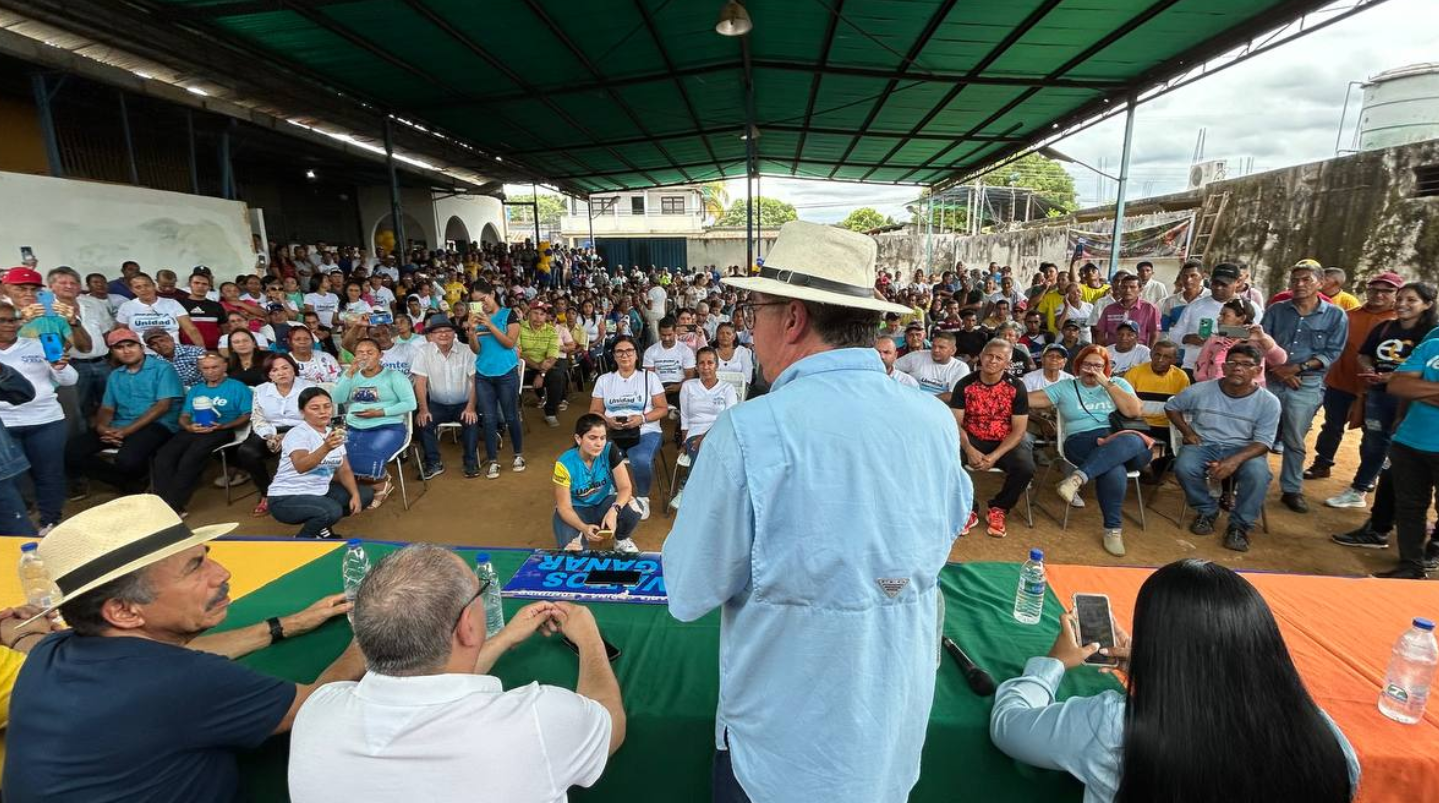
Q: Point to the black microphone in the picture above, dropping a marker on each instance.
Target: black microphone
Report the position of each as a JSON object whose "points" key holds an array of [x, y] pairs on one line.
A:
{"points": [[979, 680]]}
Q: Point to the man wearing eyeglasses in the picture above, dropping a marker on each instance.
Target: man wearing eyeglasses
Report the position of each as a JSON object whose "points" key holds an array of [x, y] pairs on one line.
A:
{"points": [[1228, 427], [427, 720]]}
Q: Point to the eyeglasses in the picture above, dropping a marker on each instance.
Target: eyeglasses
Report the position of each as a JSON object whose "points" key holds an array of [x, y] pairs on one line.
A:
{"points": [[747, 308], [1098, 366], [1245, 365], [484, 586], [625, 352]]}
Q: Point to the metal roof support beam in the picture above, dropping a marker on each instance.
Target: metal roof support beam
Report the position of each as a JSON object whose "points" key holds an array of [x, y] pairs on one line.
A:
{"points": [[397, 216], [1132, 103], [679, 85], [44, 95], [935, 20], [778, 128], [836, 12], [129, 139]]}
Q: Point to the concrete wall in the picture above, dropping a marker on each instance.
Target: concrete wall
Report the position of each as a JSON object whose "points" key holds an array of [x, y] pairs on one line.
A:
{"points": [[93, 227], [722, 248], [1356, 212]]}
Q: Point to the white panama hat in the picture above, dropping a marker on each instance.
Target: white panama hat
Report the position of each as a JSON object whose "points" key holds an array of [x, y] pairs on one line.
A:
{"points": [[111, 540], [824, 264]]}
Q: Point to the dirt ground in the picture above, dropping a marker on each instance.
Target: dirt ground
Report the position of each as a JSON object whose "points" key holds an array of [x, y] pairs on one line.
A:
{"points": [[515, 511]]}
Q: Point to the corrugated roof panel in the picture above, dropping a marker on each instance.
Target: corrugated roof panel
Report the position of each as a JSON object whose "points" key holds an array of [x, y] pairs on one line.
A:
{"points": [[890, 29]]}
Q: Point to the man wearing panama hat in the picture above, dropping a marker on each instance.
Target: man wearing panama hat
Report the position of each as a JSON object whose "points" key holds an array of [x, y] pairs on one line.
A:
{"points": [[133, 702], [824, 582]]}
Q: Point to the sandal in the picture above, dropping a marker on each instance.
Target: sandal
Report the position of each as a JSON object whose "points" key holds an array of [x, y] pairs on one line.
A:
{"points": [[261, 510], [381, 495]]}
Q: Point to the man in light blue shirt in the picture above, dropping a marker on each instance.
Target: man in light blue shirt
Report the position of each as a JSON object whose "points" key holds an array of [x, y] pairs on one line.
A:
{"points": [[825, 571]]}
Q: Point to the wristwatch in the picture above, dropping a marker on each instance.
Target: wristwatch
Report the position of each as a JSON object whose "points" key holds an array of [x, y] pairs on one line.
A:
{"points": [[277, 631]]}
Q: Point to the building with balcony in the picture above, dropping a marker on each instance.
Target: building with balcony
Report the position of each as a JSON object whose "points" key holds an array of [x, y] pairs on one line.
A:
{"points": [[638, 227]]}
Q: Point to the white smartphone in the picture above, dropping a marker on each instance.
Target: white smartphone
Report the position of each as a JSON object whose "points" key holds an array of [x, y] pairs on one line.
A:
{"points": [[1096, 626]]}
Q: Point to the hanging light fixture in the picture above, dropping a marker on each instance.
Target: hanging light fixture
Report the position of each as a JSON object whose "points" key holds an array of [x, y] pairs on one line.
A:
{"points": [[734, 20]]}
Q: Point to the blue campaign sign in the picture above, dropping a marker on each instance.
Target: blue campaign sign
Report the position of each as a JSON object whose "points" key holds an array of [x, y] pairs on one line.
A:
{"points": [[548, 574]]}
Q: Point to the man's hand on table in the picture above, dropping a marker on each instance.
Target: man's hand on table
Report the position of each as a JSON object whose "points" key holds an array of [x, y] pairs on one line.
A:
{"points": [[321, 611]]}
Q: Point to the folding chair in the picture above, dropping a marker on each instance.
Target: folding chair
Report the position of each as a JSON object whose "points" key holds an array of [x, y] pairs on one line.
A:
{"points": [[1176, 442], [1028, 503], [419, 461], [1132, 476], [223, 451]]}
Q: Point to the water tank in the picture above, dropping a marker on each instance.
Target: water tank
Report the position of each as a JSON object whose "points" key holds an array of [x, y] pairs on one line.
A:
{"points": [[1400, 106]]}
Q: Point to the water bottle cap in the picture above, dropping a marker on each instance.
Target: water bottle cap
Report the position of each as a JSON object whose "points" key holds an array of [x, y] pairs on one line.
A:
{"points": [[349, 542], [482, 557], [1423, 624], [30, 546], [1036, 554]]}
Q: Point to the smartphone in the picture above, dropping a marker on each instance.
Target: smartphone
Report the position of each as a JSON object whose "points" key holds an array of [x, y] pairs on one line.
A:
{"points": [[608, 577], [1096, 626], [46, 298], [611, 651], [381, 319], [623, 419], [1237, 332], [27, 256], [54, 346], [477, 308]]}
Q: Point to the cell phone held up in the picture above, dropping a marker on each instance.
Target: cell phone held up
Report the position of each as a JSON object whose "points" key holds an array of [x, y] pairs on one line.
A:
{"points": [[1237, 332], [611, 651], [1096, 626]]}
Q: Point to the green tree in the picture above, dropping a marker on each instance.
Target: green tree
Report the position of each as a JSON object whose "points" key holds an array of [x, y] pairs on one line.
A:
{"points": [[1036, 172], [715, 197], [863, 219], [770, 212], [552, 208]]}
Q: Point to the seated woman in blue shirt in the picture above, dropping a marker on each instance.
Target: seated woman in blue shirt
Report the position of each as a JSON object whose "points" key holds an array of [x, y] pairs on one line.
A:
{"points": [[1214, 710], [377, 400], [213, 413], [592, 491]]}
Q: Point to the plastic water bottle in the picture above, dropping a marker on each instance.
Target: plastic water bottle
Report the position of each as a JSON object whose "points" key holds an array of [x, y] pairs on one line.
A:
{"points": [[34, 580], [1029, 597], [494, 611], [353, 569], [1411, 671]]}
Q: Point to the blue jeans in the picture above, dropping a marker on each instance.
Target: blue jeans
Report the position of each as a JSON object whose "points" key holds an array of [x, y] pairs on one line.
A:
{"points": [[642, 461], [317, 512], [1251, 482], [368, 450], [91, 385], [43, 445], [1106, 467], [14, 520], [625, 523], [496, 394], [1297, 408], [1380, 410], [1336, 417], [441, 413]]}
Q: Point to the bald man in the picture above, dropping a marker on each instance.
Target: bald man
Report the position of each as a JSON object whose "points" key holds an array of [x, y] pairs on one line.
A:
{"points": [[888, 353]]}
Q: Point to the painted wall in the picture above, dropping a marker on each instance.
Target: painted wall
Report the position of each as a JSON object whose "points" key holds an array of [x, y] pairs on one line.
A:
{"points": [[432, 216], [93, 227]]}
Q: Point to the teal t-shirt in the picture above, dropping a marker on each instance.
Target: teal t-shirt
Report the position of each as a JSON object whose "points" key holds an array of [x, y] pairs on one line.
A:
{"points": [[494, 359], [1083, 409], [231, 399], [131, 394], [589, 485], [1420, 427]]}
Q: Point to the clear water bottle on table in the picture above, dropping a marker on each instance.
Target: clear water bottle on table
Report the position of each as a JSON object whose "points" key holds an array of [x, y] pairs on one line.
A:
{"points": [[353, 568], [494, 609], [1029, 597], [35, 581], [1411, 672]]}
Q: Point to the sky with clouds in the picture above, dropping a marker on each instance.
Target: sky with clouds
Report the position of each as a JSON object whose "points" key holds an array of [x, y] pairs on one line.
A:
{"points": [[1277, 109]]}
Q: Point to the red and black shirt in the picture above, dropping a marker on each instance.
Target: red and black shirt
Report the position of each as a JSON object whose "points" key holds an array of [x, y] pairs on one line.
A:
{"points": [[989, 408]]}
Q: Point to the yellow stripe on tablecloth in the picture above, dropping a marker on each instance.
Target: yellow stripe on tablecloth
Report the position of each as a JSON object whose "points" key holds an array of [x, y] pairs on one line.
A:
{"points": [[252, 564]]}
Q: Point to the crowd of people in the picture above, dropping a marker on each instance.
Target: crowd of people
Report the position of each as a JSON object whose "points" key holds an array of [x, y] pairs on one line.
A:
{"points": [[763, 376]]}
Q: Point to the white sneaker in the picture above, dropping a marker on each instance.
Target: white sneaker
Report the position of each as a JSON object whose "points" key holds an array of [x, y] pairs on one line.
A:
{"points": [[675, 502], [642, 504], [1070, 486], [1114, 543], [519, 464], [564, 405], [574, 545], [552, 421], [1349, 498], [44, 531], [626, 546], [493, 471]]}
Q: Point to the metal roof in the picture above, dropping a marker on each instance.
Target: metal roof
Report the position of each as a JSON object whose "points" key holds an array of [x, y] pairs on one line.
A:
{"points": [[597, 95]]}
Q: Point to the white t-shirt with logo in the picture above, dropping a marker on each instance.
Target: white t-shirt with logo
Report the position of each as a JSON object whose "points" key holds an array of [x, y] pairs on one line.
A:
{"points": [[399, 357], [316, 481], [741, 363], [933, 377], [904, 379], [632, 396], [165, 314], [325, 306], [1123, 362], [670, 363], [27, 356], [700, 406]]}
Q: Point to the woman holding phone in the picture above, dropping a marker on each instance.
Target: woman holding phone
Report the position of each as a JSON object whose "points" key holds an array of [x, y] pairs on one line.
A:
{"points": [[1193, 724], [493, 333], [1236, 313], [632, 403], [377, 402], [314, 485], [592, 491]]}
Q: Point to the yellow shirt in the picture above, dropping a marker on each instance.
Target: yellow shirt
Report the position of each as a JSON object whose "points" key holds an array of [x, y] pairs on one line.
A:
{"points": [[1090, 293], [1050, 305], [1347, 300], [1143, 379], [454, 291], [10, 663]]}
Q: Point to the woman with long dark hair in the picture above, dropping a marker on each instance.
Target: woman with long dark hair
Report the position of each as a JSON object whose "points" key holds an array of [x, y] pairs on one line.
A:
{"points": [[1215, 710], [1389, 344]]}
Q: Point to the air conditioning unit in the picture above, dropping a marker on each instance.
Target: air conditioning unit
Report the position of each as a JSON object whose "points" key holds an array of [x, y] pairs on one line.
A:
{"points": [[1207, 172]]}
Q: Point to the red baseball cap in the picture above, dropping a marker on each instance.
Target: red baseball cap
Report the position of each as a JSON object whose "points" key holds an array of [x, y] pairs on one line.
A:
{"points": [[1388, 277], [22, 275], [120, 336]]}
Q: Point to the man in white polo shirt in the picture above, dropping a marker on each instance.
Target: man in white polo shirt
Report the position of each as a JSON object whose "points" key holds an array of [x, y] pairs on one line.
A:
{"points": [[426, 722]]}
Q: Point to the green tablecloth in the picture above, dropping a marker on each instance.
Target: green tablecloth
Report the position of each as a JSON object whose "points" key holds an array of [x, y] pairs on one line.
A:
{"points": [[668, 674]]}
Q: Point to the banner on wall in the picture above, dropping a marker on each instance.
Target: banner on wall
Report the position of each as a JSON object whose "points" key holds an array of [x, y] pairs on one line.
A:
{"points": [[1153, 239]]}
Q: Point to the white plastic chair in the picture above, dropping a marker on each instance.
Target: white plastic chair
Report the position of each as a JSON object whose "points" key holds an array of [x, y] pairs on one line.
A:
{"points": [[223, 451], [1132, 476], [399, 469]]}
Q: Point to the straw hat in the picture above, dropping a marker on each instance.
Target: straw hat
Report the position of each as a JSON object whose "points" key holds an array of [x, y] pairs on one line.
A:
{"points": [[116, 538], [824, 264]]}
